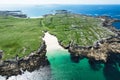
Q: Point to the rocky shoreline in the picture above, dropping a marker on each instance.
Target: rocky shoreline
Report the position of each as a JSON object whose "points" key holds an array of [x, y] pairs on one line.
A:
{"points": [[101, 51], [30, 63]]}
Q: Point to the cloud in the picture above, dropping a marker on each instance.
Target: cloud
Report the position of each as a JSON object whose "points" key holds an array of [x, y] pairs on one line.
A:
{"points": [[59, 1]]}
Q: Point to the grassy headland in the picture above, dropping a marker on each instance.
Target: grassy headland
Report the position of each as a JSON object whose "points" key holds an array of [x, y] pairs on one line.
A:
{"points": [[24, 35]]}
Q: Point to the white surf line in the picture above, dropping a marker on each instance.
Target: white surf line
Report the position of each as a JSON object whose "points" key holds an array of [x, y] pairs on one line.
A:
{"points": [[41, 74], [52, 42]]}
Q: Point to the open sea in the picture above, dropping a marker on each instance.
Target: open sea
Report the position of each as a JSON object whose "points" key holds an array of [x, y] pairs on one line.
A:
{"points": [[62, 68]]}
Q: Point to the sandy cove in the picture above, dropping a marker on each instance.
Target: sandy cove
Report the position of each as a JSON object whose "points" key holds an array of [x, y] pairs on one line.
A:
{"points": [[51, 42]]}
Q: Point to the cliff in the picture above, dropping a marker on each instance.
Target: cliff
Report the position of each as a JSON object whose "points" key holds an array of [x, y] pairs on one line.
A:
{"points": [[103, 49], [30, 63], [100, 51]]}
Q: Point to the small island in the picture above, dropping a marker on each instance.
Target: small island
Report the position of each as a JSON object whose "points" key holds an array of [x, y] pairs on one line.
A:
{"points": [[17, 14], [22, 47]]}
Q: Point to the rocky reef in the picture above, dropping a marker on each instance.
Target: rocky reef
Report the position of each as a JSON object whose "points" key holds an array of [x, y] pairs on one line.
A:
{"points": [[30, 63]]}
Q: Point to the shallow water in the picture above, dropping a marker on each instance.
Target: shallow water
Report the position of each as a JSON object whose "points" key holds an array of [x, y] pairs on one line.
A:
{"points": [[64, 69]]}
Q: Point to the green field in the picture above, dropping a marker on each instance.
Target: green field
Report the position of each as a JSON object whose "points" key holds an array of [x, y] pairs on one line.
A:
{"points": [[24, 35], [83, 30], [19, 36]]}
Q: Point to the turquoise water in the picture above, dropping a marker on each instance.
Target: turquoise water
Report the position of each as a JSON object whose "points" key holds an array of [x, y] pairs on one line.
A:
{"points": [[64, 69]]}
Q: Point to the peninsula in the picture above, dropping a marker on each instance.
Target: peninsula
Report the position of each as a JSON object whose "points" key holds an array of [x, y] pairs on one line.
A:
{"points": [[85, 36], [22, 47]]}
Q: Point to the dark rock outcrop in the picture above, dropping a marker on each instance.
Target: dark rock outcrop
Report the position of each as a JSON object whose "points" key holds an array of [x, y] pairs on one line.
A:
{"points": [[1, 54], [30, 63], [100, 51], [103, 49]]}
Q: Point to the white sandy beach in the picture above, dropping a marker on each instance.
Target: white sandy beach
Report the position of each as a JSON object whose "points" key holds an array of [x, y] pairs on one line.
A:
{"points": [[51, 42]]}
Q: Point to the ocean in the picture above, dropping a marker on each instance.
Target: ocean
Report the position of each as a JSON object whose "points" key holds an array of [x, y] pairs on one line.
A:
{"points": [[62, 68]]}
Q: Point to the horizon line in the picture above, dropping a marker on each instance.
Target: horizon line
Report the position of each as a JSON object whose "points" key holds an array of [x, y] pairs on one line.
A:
{"points": [[64, 4]]}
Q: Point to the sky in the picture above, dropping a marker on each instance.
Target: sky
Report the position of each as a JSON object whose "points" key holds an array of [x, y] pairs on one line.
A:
{"points": [[38, 2]]}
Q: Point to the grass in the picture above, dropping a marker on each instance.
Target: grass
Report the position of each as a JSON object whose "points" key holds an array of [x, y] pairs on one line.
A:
{"points": [[19, 36], [83, 30]]}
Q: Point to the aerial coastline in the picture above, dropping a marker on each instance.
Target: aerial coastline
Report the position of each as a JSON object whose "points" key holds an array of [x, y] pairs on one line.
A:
{"points": [[73, 47]]}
